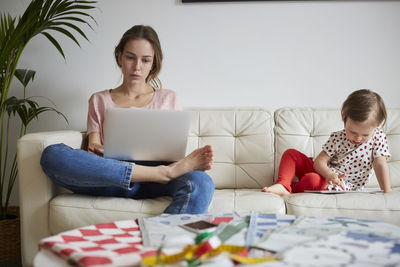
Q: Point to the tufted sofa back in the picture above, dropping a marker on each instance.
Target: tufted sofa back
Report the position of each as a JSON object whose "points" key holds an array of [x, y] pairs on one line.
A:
{"points": [[243, 141], [249, 142], [307, 129]]}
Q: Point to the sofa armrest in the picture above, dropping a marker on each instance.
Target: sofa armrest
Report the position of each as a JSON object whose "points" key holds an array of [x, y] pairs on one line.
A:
{"points": [[35, 189]]}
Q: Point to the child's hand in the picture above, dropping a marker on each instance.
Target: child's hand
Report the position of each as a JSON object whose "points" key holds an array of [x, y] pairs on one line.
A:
{"points": [[335, 179]]}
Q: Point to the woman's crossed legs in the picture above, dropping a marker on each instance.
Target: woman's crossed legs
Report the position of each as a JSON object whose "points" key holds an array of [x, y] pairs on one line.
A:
{"points": [[85, 173]]}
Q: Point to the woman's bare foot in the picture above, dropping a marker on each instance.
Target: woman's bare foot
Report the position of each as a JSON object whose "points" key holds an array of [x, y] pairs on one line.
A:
{"points": [[200, 159], [276, 189]]}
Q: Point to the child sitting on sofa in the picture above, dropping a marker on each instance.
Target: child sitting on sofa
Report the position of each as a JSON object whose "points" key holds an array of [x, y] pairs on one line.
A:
{"points": [[348, 158]]}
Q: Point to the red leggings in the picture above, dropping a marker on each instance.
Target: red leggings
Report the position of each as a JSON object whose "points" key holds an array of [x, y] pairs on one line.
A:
{"points": [[295, 163]]}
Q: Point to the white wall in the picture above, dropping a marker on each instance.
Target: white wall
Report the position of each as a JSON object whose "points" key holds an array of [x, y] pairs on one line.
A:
{"points": [[268, 53]]}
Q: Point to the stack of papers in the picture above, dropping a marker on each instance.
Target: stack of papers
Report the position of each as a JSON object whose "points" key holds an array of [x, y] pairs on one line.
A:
{"points": [[296, 240], [164, 229]]}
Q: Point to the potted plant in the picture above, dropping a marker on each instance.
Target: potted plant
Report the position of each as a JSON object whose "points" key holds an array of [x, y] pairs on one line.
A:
{"points": [[41, 17]]}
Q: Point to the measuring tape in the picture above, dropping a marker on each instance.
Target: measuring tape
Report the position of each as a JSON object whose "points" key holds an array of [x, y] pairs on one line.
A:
{"points": [[191, 250], [210, 245]]}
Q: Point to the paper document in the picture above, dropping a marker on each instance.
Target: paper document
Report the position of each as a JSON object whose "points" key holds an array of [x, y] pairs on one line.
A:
{"points": [[164, 228]]}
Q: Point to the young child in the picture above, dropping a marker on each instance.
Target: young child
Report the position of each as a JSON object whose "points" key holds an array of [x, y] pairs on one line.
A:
{"points": [[348, 158]]}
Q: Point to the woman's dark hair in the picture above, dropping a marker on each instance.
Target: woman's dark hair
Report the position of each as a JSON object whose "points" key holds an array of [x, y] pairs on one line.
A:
{"points": [[362, 104], [147, 33]]}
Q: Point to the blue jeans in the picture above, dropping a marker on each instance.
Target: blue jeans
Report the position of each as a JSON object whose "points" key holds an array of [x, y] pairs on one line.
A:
{"points": [[86, 173]]}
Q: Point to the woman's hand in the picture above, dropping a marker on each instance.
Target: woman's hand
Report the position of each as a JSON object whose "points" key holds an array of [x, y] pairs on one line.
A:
{"points": [[97, 149], [95, 145]]}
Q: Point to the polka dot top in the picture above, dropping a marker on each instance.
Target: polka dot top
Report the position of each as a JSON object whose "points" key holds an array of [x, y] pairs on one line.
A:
{"points": [[355, 160]]}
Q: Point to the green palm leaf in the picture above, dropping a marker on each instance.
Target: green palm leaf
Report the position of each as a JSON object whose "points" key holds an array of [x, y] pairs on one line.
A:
{"points": [[25, 76], [54, 42], [65, 32], [40, 17], [27, 109]]}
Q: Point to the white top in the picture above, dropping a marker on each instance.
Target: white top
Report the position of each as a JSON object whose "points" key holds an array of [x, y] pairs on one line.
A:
{"points": [[355, 160]]}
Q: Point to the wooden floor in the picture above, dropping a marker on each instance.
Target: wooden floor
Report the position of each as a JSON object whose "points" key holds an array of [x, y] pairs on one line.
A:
{"points": [[16, 263]]}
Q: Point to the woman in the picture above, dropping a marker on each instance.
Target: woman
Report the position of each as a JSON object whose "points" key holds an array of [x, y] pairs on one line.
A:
{"points": [[139, 56]]}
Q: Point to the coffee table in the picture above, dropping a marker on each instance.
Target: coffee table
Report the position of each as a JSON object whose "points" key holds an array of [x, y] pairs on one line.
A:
{"points": [[47, 258], [296, 240]]}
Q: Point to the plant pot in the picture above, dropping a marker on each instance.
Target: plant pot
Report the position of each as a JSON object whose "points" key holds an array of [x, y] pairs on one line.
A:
{"points": [[10, 237]]}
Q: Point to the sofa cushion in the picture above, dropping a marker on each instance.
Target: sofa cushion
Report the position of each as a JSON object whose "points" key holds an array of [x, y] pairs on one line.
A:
{"points": [[245, 200], [376, 206], [68, 210], [242, 139]]}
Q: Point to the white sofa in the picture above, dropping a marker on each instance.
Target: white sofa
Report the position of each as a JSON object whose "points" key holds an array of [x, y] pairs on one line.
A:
{"points": [[248, 144]]}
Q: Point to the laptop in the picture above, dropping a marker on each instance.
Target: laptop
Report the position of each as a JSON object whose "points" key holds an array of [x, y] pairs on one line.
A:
{"points": [[133, 134]]}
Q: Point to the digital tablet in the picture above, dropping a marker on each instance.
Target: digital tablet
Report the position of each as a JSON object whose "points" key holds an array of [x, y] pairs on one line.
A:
{"points": [[198, 226], [343, 192]]}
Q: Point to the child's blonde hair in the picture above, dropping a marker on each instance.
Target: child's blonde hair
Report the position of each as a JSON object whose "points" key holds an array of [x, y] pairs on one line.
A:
{"points": [[362, 104]]}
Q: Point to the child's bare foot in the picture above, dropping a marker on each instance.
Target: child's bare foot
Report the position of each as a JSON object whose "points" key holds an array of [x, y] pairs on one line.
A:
{"points": [[276, 189], [200, 159]]}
